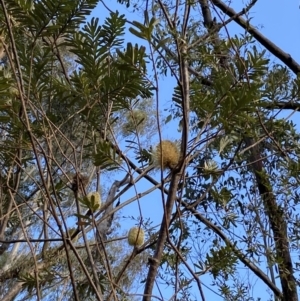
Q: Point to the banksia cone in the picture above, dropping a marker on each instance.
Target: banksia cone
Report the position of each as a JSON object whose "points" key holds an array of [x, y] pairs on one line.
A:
{"points": [[136, 236], [166, 155], [96, 196]]}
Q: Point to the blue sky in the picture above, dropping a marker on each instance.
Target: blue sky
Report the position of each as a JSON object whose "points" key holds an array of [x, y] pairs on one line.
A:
{"points": [[279, 21]]}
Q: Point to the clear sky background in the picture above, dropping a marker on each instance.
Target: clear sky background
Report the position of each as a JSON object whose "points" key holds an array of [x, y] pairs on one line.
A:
{"points": [[279, 21]]}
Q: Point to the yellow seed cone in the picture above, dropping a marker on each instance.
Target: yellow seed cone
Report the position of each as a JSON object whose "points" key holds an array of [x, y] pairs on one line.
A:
{"points": [[166, 155], [136, 236]]}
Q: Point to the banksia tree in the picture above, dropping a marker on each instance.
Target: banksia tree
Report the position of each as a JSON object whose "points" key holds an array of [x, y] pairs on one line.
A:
{"points": [[49, 62], [136, 236], [166, 155], [235, 195]]}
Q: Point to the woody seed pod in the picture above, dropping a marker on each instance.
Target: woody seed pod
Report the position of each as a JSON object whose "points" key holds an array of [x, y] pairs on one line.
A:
{"points": [[136, 236], [166, 155]]}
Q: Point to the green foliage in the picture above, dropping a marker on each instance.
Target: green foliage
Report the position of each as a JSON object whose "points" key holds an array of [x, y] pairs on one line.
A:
{"points": [[221, 261], [29, 281], [93, 44], [136, 121], [71, 91], [47, 18], [70, 81], [145, 156], [133, 58], [145, 30], [90, 203], [106, 157]]}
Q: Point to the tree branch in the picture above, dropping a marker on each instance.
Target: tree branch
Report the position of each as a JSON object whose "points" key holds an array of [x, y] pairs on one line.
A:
{"points": [[256, 270], [274, 49], [277, 222]]}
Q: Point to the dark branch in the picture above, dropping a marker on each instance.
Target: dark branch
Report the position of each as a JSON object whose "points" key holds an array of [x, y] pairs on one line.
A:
{"points": [[282, 106], [275, 50], [29, 240]]}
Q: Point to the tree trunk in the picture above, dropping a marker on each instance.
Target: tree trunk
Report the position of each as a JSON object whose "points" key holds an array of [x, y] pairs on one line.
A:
{"points": [[277, 222]]}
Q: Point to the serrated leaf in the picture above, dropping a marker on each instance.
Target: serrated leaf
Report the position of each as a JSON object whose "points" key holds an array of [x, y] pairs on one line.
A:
{"points": [[137, 33], [106, 156]]}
